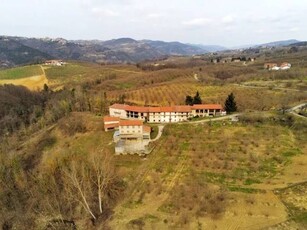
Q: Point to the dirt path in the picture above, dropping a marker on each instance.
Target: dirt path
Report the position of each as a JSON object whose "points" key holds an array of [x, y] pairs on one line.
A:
{"points": [[160, 131], [227, 117], [266, 87], [123, 71]]}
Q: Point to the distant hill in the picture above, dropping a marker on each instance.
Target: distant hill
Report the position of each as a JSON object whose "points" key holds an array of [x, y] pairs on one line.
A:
{"points": [[21, 50], [278, 43], [210, 48], [174, 48], [14, 53], [303, 43]]}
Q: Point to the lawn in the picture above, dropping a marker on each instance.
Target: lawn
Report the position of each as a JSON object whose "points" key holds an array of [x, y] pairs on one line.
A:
{"points": [[20, 72]]}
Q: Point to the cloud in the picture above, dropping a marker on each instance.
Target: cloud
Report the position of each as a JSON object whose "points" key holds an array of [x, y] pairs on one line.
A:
{"points": [[294, 29], [150, 16], [104, 12], [197, 22], [229, 19]]}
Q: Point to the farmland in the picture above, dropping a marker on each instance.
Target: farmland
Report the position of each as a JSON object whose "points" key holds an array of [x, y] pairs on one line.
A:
{"points": [[210, 176], [20, 72], [248, 174]]}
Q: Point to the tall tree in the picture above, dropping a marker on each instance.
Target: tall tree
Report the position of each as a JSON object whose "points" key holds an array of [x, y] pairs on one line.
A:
{"points": [[230, 104], [189, 100], [197, 99]]}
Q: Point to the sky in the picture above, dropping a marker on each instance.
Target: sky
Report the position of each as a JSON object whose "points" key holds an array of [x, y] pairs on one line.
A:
{"points": [[215, 22]]}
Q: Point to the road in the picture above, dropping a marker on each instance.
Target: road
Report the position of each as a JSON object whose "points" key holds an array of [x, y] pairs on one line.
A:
{"points": [[160, 131], [227, 117], [266, 87]]}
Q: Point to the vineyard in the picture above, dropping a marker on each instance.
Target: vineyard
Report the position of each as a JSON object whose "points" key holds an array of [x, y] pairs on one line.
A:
{"points": [[175, 93]]}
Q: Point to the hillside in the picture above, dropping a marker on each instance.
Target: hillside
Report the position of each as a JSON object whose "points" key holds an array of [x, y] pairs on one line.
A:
{"points": [[279, 43], [14, 53], [113, 51], [56, 159]]}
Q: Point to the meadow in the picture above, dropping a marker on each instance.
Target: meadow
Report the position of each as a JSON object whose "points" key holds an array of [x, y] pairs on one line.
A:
{"points": [[20, 72]]}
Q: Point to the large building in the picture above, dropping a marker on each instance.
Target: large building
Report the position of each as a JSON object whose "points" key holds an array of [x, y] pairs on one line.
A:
{"points": [[165, 114]]}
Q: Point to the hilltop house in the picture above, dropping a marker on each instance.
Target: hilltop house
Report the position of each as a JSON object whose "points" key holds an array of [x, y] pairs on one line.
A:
{"points": [[285, 66], [270, 66], [168, 114], [55, 62], [274, 66]]}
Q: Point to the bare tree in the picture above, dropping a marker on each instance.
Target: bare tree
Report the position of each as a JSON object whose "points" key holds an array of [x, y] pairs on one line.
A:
{"points": [[104, 175], [78, 179]]}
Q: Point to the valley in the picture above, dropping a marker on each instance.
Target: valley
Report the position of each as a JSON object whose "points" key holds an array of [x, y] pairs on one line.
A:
{"points": [[202, 174]]}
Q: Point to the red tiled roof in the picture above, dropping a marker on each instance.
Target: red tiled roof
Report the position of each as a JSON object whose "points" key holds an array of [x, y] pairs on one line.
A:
{"points": [[207, 106], [285, 64], [182, 108], [130, 123], [137, 109], [178, 108], [114, 125], [166, 109], [108, 118], [146, 129], [154, 109]]}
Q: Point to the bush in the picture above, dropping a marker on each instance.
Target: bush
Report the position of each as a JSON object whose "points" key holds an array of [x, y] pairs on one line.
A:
{"points": [[72, 126]]}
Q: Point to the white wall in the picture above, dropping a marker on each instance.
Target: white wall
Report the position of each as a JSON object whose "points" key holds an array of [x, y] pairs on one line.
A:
{"points": [[121, 113]]}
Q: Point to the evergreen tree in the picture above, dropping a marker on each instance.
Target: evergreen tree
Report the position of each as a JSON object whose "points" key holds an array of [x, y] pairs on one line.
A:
{"points": [[46, 88], [189, 100], [230, 104], [197, 99]]}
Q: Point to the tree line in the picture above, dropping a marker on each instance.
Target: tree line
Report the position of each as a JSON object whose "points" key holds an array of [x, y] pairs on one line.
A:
{"points": [[230, 104]]}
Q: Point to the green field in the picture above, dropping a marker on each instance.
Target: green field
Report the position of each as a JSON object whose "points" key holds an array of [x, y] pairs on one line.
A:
{"points": [[20, 72]]}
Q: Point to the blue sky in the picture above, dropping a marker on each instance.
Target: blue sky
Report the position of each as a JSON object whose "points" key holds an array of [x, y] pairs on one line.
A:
{"points": [[223, 22]]}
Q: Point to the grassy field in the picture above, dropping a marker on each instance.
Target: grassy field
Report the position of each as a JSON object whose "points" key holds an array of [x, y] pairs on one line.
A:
{"points": [[32, 77], [21, 72]]}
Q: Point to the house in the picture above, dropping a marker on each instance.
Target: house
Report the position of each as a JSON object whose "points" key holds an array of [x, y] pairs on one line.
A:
{"points": [[275, 68], [236, 59], [55, 62], [166, 114], [285, 66], [132, 137], [131, 129], [110, 123], [269, 66]]}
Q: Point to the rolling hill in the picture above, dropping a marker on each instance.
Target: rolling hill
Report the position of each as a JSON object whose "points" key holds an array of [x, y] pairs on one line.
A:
{"points": [[14, 53], [121, 50]]}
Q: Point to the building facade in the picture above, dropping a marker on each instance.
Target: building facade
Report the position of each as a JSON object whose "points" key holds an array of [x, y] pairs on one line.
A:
{"points": [[165, 114]]}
